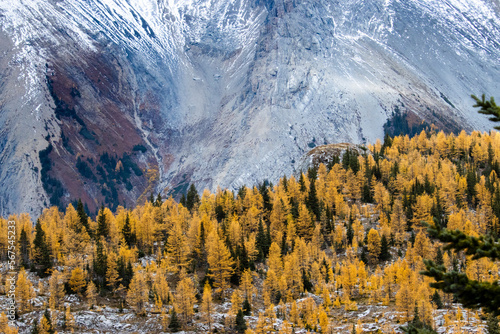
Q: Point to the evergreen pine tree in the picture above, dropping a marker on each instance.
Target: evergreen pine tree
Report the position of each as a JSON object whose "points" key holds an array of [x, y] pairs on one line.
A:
{"points": [[492, 325], [364, 255], [366, 196], [302, 183], [312, 173], [412, 238], [471, 184], [349, 233], [82, 215], [102, 225], [469, 292], [244, 264], [247, 308], [327, 226], [436, 299], [294, 208], [346, 159], [174, 324], [100, 264], [159, 200], [285, 183], [312, 201], [268, 240], [262, 241], [192, 197], [41, 252], [488, 108], [24, 249], [127, 232], [437, 210], [241, 325], [183, 200], [129, 274], [284, 245], [266, 200], [35, 329], [439, 257], [384, 250], [151, 199], [495, 205], [306, 281], [417, 326]]}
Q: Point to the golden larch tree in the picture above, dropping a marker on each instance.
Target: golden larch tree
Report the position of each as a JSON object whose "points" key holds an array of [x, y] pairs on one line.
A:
{"points": [[160, 286], [220, 263], [56, 289], [138, 292], [91, 294], [246, 285], [304, 224], [374, 245], [185, 298], [112, 276], [207, 306], [69, 319], [177, 249], [77, 280], [4, 325], [24, 292]]}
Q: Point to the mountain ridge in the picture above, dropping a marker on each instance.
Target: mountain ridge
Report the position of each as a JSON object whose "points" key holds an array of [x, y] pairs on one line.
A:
{"points": [[225, 93]]}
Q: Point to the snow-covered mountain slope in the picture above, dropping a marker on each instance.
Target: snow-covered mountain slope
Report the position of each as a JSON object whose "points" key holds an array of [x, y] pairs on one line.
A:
{"points": [[224, 92]]}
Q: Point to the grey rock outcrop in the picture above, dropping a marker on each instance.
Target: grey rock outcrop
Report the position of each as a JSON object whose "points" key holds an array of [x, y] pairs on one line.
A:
{"points": [[225, 92]]}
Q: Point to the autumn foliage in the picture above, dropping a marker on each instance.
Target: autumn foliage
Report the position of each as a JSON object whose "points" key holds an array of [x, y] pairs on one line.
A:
{"points": [[350, 233]]}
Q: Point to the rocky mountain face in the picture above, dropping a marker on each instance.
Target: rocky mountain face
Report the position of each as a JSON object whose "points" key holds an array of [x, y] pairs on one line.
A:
{"points": [[110, 100]]}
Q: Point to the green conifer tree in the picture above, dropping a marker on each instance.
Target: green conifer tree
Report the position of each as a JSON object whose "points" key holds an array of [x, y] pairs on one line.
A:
{"points": [[488, 108], [262, 241], [471, 183], [100, 264], [174, 324], [302, 183], [159, 201], [349, 233], [192, 197], [417, 326], [492, 325], [384, 250], [102, 224], [436, 299], [266, 199], [241, 325], [24, 249], [35, 329], [41, 252], [127, 232], [284, 182], [82, 215], [312, 201], [470, 293], [247, 308], [439, 257]]}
